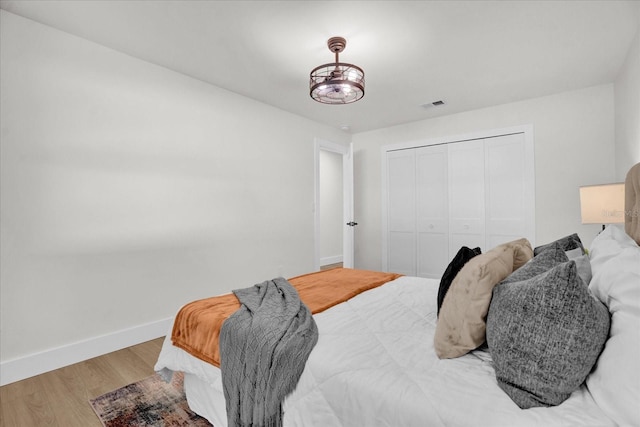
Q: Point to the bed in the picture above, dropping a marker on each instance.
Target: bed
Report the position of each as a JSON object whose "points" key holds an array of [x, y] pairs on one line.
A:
{"points": [[377, 361]]}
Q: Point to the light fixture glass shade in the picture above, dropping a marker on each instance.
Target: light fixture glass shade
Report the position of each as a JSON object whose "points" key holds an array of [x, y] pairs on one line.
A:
{"points": [[602, 204], [337, 83]]}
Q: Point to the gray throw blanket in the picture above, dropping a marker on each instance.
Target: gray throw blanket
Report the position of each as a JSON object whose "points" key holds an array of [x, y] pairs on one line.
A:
{"points": [[264, 346]]}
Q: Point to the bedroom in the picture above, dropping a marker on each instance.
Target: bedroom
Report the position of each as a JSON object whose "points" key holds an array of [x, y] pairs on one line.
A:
{"points": [[102, 242]]}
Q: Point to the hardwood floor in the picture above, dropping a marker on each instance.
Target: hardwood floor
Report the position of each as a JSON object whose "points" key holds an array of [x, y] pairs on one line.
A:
{"points": [[61, 397]]}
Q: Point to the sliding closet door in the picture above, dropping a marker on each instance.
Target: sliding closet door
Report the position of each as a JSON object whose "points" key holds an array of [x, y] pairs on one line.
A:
{"points": [[466, 195], [401, 208], [475, 191], [432, 222], [508, 191]]}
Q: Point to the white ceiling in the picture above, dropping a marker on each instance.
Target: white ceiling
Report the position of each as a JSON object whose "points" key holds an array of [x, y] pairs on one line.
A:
{"points": [[470, 54]]}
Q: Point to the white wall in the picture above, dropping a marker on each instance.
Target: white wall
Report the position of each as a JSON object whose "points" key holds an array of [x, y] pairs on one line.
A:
{"points": [[573, 138], [128, 190], [331, 209], [627, 104]]}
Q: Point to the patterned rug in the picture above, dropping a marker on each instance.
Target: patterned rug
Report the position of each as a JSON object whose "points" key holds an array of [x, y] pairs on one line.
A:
{"points": [[146, 403]]}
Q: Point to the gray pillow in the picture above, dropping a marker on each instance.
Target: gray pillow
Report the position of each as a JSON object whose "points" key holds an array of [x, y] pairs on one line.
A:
{"points": [[545, 335], [567, 243], [547, 259]]}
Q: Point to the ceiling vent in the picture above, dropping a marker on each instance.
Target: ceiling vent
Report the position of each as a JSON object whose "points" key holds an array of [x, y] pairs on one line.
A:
{"points": [[433, 104]]}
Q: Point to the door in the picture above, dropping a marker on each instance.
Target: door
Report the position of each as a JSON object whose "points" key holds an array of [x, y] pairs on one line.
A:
{"points": [[470, 190], [466, 195], [401, 213], [432, 202], [508, 192], [333, 205]]}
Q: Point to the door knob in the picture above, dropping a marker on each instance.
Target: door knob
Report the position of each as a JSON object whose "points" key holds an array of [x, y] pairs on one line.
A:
{"points": [[352, 224]]}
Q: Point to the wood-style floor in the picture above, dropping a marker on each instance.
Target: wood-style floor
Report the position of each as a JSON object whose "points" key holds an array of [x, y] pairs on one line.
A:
{"points": [[61, 397]]}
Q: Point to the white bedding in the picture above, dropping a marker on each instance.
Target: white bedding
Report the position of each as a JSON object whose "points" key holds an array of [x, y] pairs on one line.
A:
{"points": [[374, 365]]}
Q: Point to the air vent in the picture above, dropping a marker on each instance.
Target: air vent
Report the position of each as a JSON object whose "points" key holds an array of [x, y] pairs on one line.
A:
{"points": [[433, 104]]}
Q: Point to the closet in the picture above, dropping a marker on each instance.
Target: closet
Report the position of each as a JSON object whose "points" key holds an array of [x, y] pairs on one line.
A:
{"points": [[438, 196]]}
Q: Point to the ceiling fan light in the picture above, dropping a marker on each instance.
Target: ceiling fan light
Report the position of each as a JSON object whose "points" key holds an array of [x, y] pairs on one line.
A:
{"points": [[336, 83]]}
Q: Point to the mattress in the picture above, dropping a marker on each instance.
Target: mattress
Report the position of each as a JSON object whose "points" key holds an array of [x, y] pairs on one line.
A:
{"points": [[374, 365]]}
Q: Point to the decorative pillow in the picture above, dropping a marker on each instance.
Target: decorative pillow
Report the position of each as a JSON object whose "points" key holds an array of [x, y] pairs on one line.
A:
{"points": [[544, 335], [462, 257], [608, 244], [566, 243], [546, 260], [615, 260], [582, 262], [584, 268], [522, 252], [461, 324], [573, 253]]}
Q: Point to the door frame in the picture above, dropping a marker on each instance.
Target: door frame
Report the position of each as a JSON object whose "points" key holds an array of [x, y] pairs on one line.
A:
{"points": [[347, 193]]}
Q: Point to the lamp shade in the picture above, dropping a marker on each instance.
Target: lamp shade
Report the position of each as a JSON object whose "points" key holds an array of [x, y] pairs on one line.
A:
{"points": [[602, 204]]}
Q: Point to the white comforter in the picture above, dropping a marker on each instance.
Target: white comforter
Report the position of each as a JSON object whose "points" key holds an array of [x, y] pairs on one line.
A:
{"points": [[374, 365]]}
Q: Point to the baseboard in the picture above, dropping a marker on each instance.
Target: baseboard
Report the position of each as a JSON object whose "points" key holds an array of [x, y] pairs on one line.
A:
{"points": [[330, 260], [55, 358]]}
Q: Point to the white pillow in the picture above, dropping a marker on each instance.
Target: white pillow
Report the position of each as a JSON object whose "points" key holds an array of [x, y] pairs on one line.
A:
{"points": [[607, 245], [615, 382]]}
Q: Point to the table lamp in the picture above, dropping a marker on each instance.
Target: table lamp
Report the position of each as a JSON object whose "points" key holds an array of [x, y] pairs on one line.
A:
{"points": [[602, 204]]}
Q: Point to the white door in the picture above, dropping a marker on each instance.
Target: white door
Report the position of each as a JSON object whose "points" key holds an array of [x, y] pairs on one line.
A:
{"points": [[328, 230], [475, 190], [466, 195], [432, 222], [401, 213], [508, 187]]}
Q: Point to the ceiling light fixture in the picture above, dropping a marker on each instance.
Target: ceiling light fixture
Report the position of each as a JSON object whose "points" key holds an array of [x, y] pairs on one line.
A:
{"points": [[336, 83]]}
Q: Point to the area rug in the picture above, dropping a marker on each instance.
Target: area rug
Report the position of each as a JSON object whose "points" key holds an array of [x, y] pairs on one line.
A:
{"points": [[146, 403]]}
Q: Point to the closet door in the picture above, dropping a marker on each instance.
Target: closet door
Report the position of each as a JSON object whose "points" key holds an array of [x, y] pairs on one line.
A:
{"points": [[401, 208], [432, 206], [476, 190], [508, 192], [466, 195]]}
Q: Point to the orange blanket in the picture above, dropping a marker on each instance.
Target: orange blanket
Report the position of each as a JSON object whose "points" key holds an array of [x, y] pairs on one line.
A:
{"points": [[196, 328]]}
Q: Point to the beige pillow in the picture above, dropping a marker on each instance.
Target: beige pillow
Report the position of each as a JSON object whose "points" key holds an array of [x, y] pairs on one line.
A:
{"points": [[461, 324], [522, 252]]}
